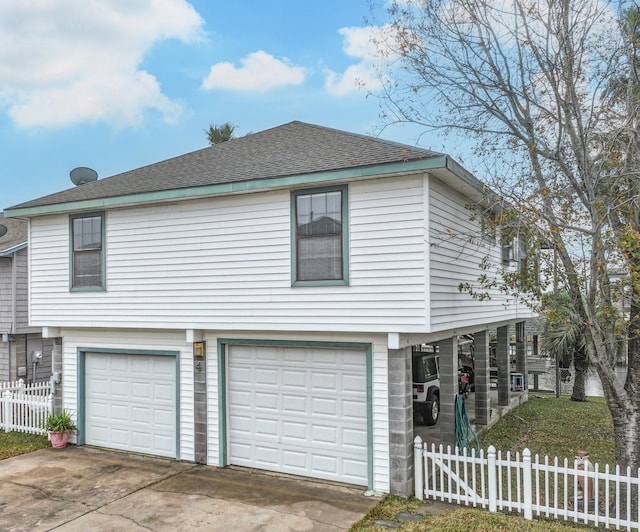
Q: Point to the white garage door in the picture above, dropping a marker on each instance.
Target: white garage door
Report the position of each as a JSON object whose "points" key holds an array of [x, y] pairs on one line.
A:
{"points": [[130, 403], [301, 411]]}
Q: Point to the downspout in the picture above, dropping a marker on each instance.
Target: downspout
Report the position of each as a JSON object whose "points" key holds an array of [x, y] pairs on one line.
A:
{"points": [[14, 289]]}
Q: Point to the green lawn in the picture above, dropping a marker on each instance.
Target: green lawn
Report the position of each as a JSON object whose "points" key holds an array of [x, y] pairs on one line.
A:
{"points": [[545, 425], [556, 427], [15, 443]]}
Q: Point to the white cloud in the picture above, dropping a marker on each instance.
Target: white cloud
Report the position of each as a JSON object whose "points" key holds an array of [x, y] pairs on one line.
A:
{"points": [[259, 71], [364, 44], [64, 62]]}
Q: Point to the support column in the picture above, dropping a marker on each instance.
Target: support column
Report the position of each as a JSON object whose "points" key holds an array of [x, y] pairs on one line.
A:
{"points": [[504, 366], [448, 368], [400, 422], [481, 377], [521, 352], [200, 402], [56, 369]]}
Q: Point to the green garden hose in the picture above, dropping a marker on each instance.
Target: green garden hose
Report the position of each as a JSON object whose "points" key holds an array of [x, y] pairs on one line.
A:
{"points": [[466, 438]]}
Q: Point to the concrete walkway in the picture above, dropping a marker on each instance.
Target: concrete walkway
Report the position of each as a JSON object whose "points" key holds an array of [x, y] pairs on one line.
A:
{"points": [[82, 488]]}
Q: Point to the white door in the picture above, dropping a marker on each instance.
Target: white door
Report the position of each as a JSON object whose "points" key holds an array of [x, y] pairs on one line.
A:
{"points": [[301, 411], [130, 402]]}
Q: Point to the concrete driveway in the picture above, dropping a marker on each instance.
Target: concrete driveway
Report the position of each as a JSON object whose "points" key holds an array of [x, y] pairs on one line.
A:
{"points": [[82, 488]]}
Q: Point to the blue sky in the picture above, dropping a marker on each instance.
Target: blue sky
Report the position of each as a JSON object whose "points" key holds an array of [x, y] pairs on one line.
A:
{"points": [[115, 84]]}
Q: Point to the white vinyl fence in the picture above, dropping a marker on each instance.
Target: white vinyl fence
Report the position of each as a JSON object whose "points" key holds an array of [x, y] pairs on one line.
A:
{"points": [[25, 407], [577, 491]]}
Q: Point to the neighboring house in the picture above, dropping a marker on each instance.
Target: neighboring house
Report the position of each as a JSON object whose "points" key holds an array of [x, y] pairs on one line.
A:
{"points": [[256, 302], [23, 352]]}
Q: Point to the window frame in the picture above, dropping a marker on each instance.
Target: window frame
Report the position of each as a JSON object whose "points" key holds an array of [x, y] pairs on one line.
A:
{"points": [[96, 288], [344, 190]]}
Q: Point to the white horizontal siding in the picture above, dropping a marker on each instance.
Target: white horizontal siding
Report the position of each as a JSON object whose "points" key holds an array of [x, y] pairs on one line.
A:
{"points": [[127, 340], [225, 263], [456, 252]]}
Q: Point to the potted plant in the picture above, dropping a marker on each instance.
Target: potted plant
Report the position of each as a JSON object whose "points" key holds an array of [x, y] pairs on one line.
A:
{"points": [[59, 427]]}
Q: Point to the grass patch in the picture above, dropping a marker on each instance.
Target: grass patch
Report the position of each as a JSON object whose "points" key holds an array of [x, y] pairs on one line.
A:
{"points": [[556, 427], [15, 443], [545, 425]]}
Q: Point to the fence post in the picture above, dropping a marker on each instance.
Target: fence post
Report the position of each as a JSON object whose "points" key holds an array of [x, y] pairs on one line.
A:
{"points": [[526, 485], [418, 469], [7, 411], [491, 479]]}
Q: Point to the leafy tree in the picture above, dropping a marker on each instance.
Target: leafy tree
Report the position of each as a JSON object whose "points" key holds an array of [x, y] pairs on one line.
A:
{"points": [[562, 337], [216, 134], [547, 93]]}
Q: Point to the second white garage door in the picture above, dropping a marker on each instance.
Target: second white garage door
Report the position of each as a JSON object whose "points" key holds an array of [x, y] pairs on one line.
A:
{"points": [[130, 402], [301, 411]]}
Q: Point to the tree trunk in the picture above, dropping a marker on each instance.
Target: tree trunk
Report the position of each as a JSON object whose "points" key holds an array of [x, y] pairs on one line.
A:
{"points": [[581, 365]]}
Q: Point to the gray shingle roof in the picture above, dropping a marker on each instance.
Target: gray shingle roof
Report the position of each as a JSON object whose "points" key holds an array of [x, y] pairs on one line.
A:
{"points": [[291, 149], [16, 233]]}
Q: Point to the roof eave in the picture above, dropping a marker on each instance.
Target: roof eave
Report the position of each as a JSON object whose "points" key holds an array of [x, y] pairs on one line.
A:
{"points": [[381, 170], [14, 249]]}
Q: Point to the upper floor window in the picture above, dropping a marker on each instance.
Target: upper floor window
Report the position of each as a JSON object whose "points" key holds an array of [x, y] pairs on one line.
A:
{"points": [[87, 250], [320, 236]]}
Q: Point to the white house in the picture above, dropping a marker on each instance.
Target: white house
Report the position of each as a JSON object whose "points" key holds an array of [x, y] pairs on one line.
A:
{"points": [[255, 302]]}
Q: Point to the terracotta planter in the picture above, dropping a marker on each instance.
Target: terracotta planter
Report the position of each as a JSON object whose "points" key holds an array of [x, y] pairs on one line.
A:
{"points": [[59, 439]]}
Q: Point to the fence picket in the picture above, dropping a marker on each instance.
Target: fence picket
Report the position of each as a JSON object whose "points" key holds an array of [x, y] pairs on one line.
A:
{"points": [[594, 496], [25, 407]]}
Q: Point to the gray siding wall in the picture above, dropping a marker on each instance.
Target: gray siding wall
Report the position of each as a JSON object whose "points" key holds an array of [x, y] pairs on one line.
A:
{"points": [[6, 295], [6, 316], [4, 362], [22, 293]]}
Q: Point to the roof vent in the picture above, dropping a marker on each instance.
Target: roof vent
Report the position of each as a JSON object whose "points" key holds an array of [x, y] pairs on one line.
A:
{"points": [[83, 175], [3, 230]]}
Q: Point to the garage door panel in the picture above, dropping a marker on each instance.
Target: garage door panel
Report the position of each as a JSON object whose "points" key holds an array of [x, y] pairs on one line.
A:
{"points": [[130, 402], [265, 400], [295, 431], [294, 379], [266, 455], [293, 404], [353, 383], [265, 377], [324, 407], [295, 459], [324, 382], [164, 393], [266, 427], [312, 421]]}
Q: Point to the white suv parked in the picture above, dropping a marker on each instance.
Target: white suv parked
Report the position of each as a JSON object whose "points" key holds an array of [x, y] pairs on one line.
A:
{"points": [[426, 387]]}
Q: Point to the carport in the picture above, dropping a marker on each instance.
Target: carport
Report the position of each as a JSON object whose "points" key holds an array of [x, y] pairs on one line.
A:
{"points": [[402, 430]]}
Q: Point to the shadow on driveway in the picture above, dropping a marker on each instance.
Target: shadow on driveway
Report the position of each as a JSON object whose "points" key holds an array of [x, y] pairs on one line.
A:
{"points": [[82, 488]]}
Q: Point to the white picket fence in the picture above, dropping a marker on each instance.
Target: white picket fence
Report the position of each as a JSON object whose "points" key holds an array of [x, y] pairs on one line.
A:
{"points": [[25, 407], [576, 491]]}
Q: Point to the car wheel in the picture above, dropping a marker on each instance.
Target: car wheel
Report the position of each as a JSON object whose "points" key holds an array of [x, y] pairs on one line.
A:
{"points": [[432, 414]]}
